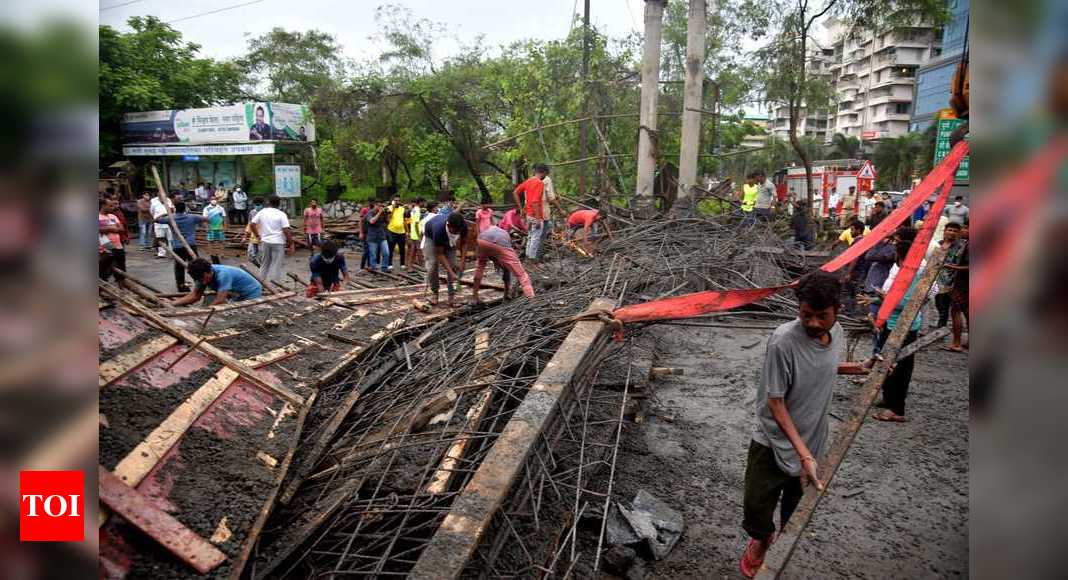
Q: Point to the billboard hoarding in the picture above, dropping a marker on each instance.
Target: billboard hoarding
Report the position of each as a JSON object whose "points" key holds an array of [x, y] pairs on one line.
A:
{"points": [[183, 150], [237, 123], [942, 148]]}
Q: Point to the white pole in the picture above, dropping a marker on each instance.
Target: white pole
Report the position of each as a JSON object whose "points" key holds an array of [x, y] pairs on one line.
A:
{"points": [[654, 16], [691, 104]]}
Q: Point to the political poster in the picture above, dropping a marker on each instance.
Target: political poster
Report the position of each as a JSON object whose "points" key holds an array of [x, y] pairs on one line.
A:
{"points": [[287, 180]]}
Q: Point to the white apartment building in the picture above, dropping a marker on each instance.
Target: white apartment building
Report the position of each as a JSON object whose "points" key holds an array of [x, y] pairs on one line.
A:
{"points": [[872, 77]]}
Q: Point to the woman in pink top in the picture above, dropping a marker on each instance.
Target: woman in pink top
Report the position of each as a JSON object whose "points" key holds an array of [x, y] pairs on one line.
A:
{"points": [[484, 217], [313, 224]]}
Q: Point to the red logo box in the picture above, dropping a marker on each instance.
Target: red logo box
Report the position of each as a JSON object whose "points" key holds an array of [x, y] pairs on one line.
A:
{"points": [[51, 506]]}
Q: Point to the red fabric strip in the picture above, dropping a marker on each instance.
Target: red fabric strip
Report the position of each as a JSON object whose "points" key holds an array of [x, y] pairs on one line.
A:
{"points": [[690, 305], [914, 259]]}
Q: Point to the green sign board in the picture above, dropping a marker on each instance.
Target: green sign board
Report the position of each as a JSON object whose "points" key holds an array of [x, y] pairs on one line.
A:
{"points": [[945, 129]]}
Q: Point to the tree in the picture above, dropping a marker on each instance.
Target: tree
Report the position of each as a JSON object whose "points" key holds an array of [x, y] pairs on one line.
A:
{"points": [[898, 159], [291, 66], [845, 146], [153, 68]]}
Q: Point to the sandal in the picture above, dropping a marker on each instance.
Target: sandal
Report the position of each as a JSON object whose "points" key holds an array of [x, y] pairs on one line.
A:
{"points": [[889, 417], [952, 348]]}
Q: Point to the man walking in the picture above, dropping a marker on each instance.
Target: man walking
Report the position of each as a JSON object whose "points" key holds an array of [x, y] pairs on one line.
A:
{"points": [[271, 225], [791, 413], [313, 224], [534, 209]]}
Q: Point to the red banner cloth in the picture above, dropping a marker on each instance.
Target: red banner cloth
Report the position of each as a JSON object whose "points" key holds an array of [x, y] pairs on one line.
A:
{"points": [[701, 303], [908, 268]]}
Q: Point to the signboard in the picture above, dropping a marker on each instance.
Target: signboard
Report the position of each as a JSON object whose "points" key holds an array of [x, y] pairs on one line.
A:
{"points": [[184, 150], [868, 135], [238, 123], [867, 171], [287, 180], [942, 147]]}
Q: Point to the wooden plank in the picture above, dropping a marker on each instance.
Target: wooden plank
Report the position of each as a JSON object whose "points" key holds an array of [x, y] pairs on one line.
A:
{"points": [[209, 349], [231, 306], [179, 540], [137, 464], [122, 364], [454, 542], [779, 554]]}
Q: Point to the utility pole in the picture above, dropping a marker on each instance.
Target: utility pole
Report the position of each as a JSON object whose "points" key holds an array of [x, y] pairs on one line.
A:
{"points": [[654, 19], [691, 105], [584, 128]]}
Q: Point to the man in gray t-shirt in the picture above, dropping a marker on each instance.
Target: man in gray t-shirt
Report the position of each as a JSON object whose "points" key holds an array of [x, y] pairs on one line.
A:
{"points": [[958, 212], [766, 196], [791, 412]]}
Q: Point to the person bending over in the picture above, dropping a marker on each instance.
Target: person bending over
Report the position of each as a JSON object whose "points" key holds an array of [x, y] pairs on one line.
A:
{"points": [[230, 284]]}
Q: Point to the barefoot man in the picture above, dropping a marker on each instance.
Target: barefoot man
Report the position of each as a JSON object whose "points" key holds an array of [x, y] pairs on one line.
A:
{"points": [[800, 364]]}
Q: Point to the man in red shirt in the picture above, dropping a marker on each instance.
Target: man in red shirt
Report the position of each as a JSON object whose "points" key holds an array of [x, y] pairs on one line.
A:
{"points": [[532, 190], [585, 219]]}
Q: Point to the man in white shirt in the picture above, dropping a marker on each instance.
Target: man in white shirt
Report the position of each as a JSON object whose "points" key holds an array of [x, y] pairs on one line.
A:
{"points": [[239, 209], [867, 202], [271, 226], [549, 200], [160, 206], [832, 205]]}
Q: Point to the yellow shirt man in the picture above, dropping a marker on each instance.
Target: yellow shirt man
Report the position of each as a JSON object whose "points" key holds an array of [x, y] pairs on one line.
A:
{"points": [[847, 235], [749, 196], [396, 219]]}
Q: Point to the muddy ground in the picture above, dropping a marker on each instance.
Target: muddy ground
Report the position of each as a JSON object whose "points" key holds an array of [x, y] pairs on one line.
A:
{"points": [[897, 508]]}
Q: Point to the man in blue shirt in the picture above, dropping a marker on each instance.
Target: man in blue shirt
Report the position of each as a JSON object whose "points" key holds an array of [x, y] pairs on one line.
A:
{"points": [[442, 236], [328, 270], [229, 283], [187, 225]]}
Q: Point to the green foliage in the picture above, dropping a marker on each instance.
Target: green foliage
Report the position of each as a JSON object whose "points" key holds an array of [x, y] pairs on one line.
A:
{"points": [[291, 66], [152, 68], [898, 161], [845, 147]]}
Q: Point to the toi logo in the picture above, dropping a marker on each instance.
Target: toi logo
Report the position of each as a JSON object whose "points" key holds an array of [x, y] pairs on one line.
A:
{"points": [[51, 506]]}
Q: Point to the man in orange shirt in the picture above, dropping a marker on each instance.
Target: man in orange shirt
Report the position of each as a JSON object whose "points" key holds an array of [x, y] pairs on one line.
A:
{"points": [[585, 219], [532, 189]]}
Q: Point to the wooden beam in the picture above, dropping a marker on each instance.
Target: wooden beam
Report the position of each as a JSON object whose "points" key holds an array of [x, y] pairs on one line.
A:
{"points": [[209, 349], [923, 342], [779, 554], [455, 541], [179, 540]]}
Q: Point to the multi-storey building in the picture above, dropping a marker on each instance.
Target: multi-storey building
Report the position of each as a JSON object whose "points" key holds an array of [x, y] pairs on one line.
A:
{"points": [[871, 74], [934, 78]]}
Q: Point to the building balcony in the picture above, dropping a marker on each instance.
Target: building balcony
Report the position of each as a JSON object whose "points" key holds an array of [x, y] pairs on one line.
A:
{"points": [[884, 117]]}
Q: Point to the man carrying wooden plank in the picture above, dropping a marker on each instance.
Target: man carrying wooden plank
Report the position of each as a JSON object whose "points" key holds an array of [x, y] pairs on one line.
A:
{"points": [[229, 283], [800, 365]]}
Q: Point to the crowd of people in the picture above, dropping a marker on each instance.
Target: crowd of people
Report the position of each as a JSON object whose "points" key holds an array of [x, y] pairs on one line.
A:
{"points": [[431, 235]]}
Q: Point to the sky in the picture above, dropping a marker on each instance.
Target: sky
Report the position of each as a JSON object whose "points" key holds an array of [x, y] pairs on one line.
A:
{"points": [[225, 34]]}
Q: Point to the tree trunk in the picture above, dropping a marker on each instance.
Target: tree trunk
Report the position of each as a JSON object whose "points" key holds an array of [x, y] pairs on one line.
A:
{"points": [[691, 103], [654, 17]]}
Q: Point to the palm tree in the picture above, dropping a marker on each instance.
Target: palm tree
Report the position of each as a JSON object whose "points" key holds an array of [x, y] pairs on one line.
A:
{"points": [[845, 146], [897, 159]]}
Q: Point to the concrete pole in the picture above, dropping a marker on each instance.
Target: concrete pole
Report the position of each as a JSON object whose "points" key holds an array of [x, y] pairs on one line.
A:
{"points": [[654, 18], [691, 103]]}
